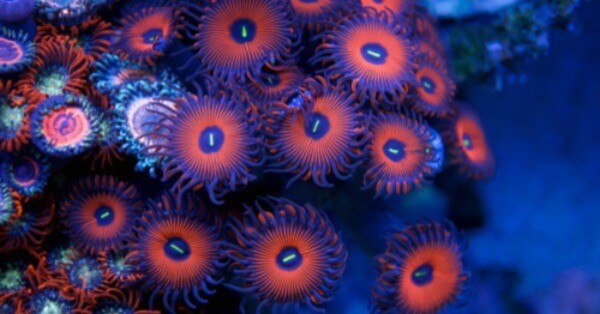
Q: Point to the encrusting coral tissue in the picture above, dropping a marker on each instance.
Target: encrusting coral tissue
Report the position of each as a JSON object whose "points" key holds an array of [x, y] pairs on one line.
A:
{"points": [[130, 131]]}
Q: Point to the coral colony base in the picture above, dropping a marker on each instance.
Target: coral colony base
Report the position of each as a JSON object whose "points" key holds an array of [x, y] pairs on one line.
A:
{"points": [[133, 135]]}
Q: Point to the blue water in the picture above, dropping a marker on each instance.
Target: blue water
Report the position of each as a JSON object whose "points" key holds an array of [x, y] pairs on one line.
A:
{"points": [[543, 207]]}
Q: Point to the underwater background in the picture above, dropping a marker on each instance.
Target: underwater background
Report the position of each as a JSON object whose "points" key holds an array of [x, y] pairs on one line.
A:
{"points": [[539, 245], [531, 228], [537, 248]]}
